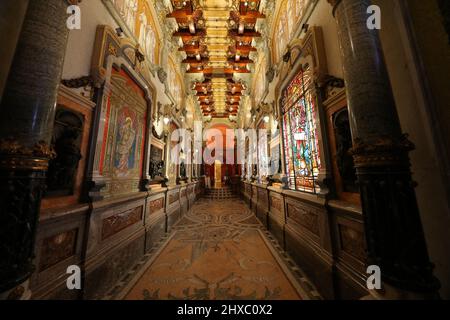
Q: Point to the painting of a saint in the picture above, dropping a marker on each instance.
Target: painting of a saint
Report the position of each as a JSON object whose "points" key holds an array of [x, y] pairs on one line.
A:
{"points": [[125, 142]]}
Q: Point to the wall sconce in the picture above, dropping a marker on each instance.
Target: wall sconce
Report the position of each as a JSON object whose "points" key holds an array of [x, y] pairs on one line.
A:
{"points": [[166, 120], [266, 119]]}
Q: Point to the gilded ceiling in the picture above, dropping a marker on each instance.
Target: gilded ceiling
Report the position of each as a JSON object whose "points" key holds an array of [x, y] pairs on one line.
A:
{"points": [[217, 37]]}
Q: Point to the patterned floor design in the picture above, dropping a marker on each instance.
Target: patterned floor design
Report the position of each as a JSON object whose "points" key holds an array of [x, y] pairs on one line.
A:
{"points": [[219, 250]]}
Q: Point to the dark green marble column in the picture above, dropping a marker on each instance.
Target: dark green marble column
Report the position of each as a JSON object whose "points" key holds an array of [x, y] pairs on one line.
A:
{"points": [[26, 122], [395, 239]]}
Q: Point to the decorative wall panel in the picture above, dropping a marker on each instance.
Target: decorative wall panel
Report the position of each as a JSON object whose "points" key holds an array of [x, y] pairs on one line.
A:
{"points": [[58, 248], [276, 203], [352, 242], [262, 196], [120, 221], [305, 216], [123, 152], [156, 205], [173, 198]]}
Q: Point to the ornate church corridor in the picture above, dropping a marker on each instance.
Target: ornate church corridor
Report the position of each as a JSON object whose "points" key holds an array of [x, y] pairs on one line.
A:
{"points": [[178, 150], [218, 251]]}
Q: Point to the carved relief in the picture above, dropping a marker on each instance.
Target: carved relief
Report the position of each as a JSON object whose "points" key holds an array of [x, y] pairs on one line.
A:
{"points": [[58, 248], [120, 221], [156, 205], [275, 203], [248, 189], [352, 242], [262, 196], [305, 217]]}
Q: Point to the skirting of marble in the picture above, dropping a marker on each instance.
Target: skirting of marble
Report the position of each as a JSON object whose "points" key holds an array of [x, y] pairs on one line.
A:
{"points": [[233, 228]]}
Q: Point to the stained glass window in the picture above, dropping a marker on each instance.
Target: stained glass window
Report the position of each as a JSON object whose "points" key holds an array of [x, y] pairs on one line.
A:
{"points": [[300, 139]]}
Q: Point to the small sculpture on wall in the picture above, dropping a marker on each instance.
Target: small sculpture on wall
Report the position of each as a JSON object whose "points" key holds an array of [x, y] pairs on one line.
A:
{"points": [[156, 169], [182, 170], [162, 75]]}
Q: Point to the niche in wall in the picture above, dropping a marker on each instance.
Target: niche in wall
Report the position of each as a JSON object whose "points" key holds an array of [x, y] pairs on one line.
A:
{"points": [[66, 141], [340, 138], [156, 162], [72, 125]]}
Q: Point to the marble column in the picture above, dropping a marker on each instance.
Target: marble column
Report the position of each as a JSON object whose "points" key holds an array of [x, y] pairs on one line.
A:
{"points": [[26, 123], [394, 233]]}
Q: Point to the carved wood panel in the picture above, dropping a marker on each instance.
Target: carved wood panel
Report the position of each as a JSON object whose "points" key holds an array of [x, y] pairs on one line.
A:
{"points": [[352, 242], [262, 196], [305, 216], [276, 203], [248, 190]]}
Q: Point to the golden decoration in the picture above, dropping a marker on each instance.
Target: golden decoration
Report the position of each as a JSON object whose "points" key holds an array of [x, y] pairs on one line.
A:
{"points": [[383, 152], [14, 155]]}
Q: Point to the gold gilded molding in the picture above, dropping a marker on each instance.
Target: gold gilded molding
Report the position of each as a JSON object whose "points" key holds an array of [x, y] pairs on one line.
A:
{"points": [[14, 155], [383, 152]]}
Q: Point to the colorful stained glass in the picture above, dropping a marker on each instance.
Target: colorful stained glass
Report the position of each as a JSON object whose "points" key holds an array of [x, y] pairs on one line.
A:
{"points": [[301, 143]]}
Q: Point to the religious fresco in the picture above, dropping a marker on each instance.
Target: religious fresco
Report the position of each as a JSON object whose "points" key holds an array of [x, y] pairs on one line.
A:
{"points": [[125, 149], [122, 154], [137, 17], [289, 14]]}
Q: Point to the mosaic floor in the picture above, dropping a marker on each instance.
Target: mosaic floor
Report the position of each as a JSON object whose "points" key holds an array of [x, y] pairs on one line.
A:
{"points": [[219, 250]]}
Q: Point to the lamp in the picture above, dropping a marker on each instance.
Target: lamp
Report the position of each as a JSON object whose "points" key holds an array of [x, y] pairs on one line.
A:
{"points": [[266, 119], [166, 120]]}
